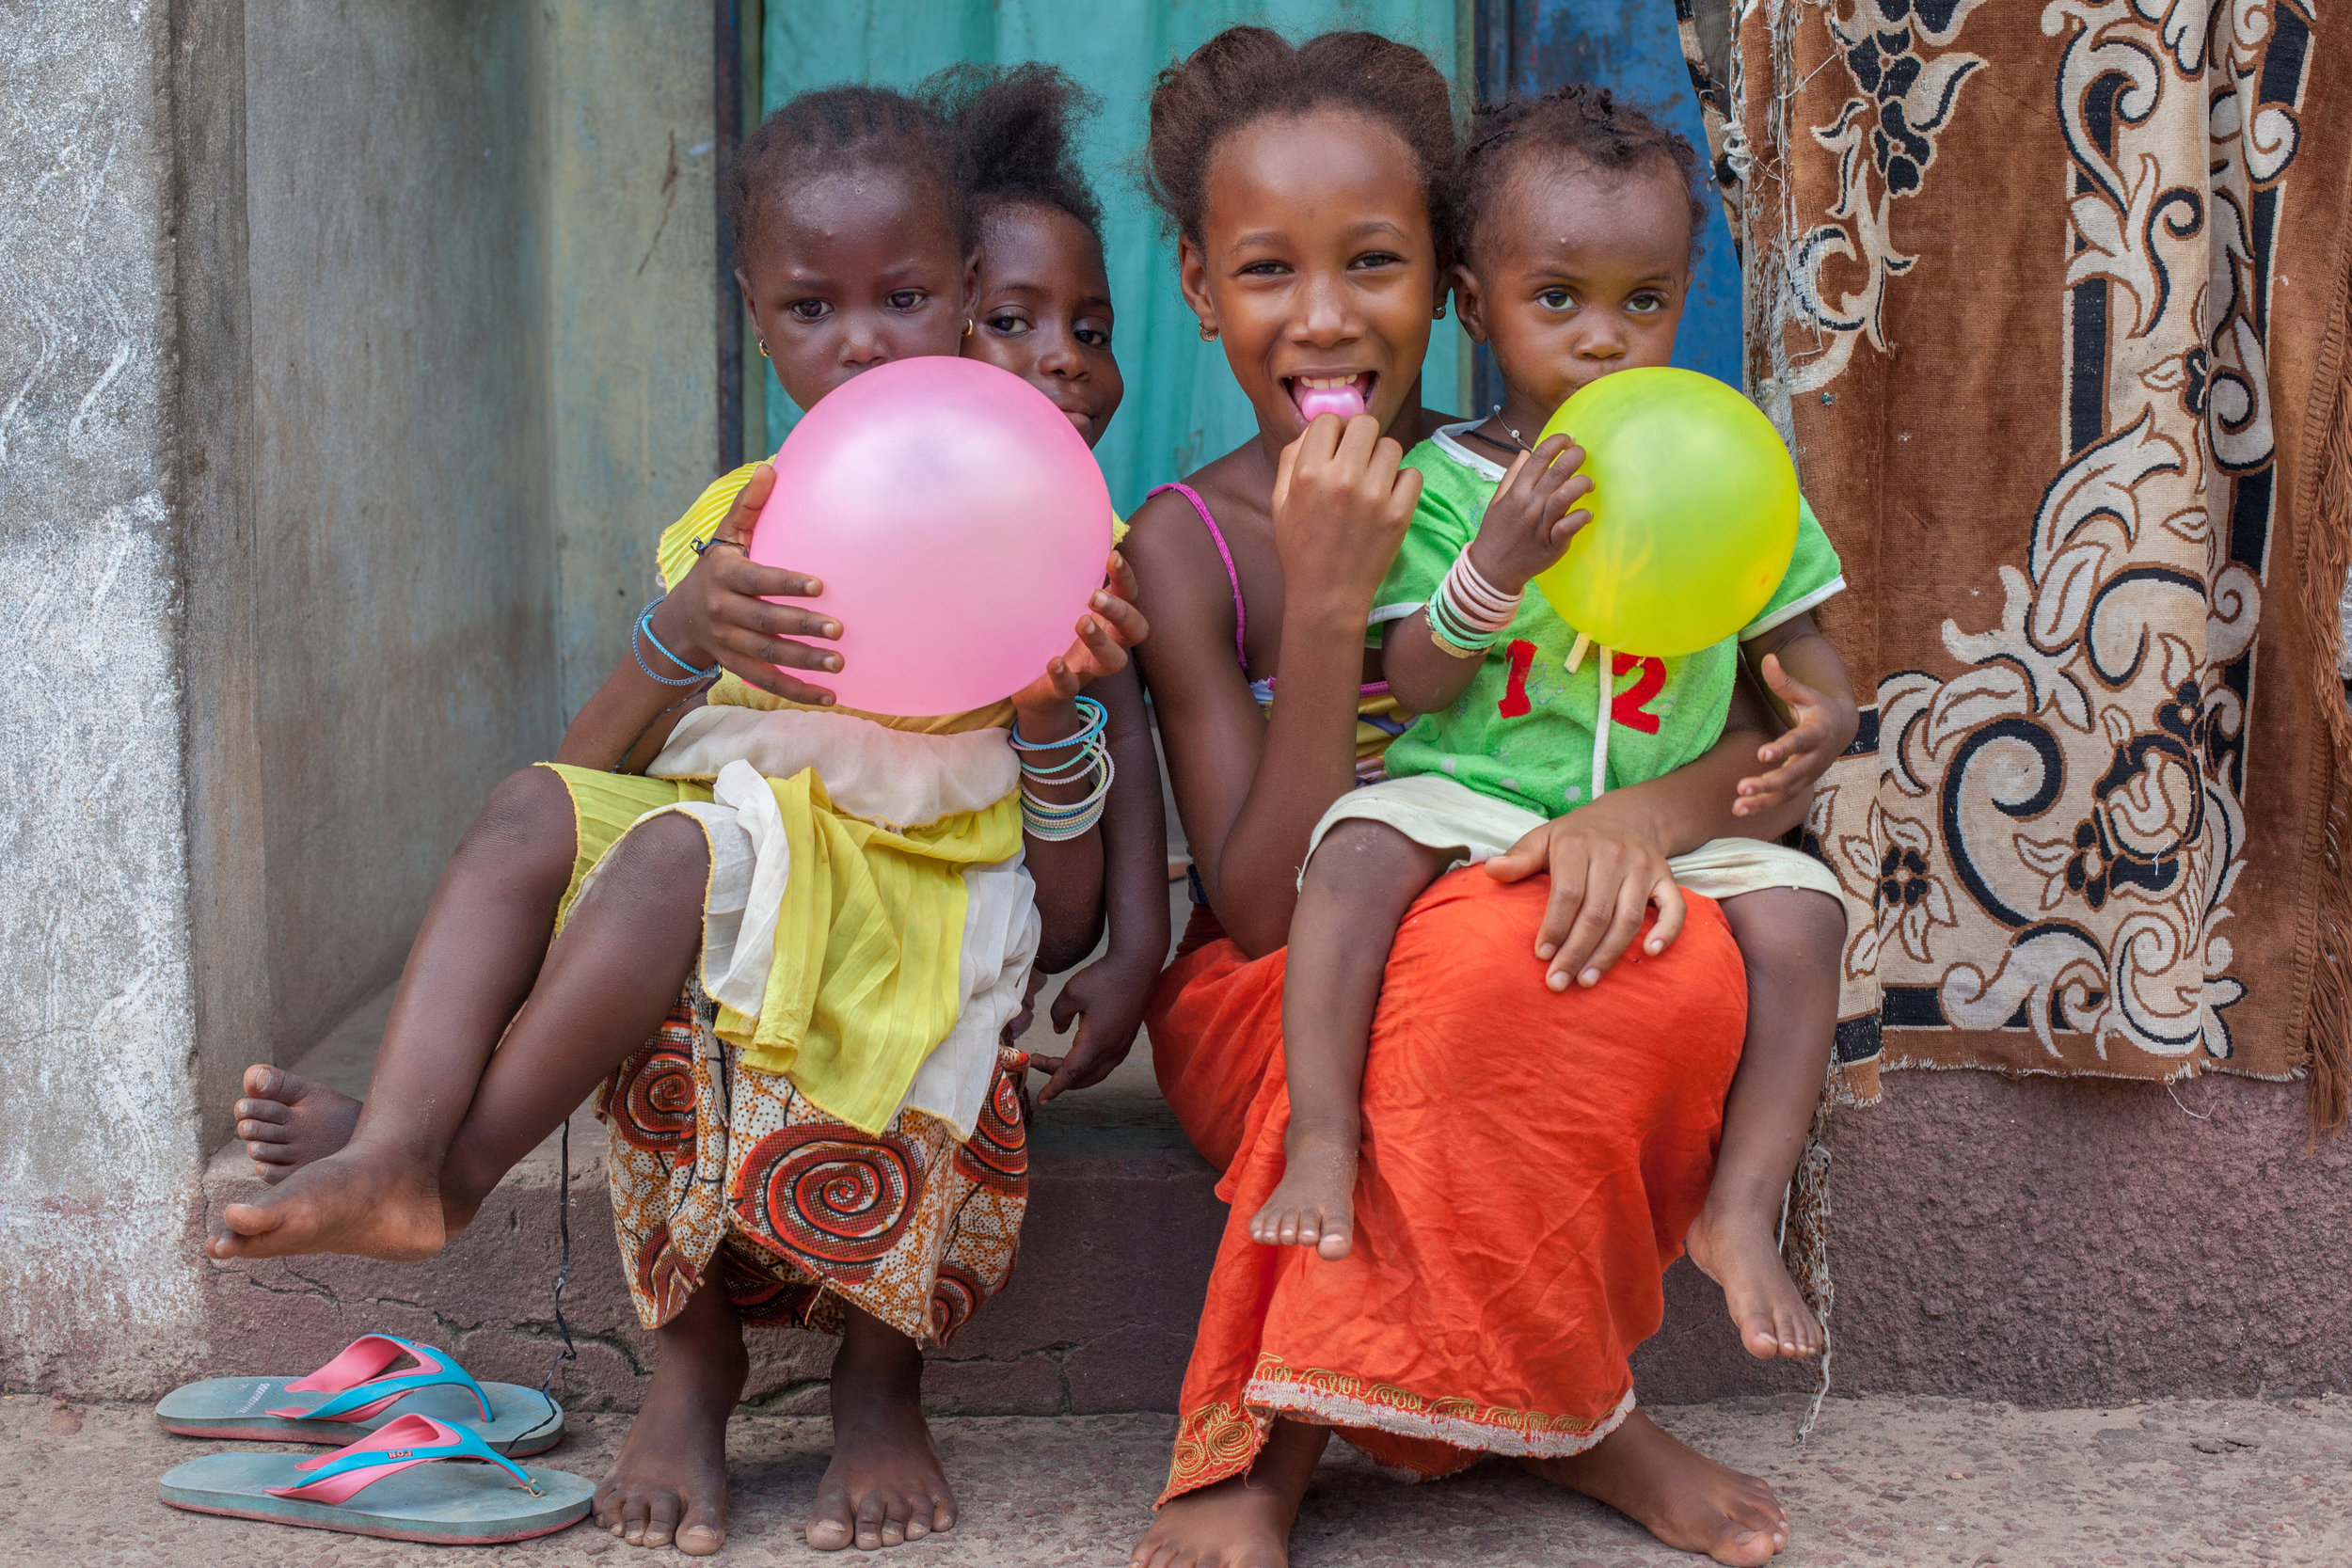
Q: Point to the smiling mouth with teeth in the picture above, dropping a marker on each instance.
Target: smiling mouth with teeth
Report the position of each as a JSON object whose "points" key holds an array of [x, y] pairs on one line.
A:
{"points": [[1344, 395]]}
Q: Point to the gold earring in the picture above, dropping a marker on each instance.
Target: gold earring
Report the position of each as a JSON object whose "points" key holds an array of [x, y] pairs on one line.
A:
{"points": [[763, 348], [967, 326], [1208, 333]]}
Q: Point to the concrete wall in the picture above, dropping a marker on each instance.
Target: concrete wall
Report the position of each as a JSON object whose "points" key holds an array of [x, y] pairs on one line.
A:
{"points": [[98, 1149], [322, 323], [633, 302], [405, 633]]}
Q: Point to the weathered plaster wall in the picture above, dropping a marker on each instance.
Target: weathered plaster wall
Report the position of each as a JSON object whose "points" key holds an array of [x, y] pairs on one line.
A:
{"points": [[405, 634], [633, 307], [98, 1149]]}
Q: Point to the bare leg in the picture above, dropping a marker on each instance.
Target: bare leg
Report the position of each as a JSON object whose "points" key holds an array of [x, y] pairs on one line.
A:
{"points": [[1789, 939], [605, 987], [670, 1479], [885, 1485], [1364, 878], [1676, 1493], [1242, 1522]]}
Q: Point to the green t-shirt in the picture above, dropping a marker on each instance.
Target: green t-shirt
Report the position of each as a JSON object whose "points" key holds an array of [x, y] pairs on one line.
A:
{"points": [[1524, 731]]}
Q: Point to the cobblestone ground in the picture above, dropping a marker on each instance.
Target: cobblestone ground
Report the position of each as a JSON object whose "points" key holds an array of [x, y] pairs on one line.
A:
{"points": [[1882, 1482]]}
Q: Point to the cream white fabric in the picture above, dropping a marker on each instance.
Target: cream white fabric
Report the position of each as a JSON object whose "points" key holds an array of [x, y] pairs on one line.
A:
{"points": [[750, 862], [894, 777], [1434, 810]]}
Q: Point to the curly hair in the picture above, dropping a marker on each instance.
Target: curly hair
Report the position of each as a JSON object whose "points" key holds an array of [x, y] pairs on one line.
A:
{"points": [[856, 127], [1578, 122], [1245, 75], [1015, 125]]}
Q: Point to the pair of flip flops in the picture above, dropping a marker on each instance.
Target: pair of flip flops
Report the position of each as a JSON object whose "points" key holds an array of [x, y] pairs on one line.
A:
{"points": [[387, 1484]]}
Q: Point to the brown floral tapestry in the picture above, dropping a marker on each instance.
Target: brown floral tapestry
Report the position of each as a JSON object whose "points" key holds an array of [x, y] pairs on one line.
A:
{"points": [[2048, 298]]}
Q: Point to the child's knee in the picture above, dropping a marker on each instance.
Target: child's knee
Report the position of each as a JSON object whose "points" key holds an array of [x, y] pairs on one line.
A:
{"points": [[662, 856], [1785, 927], [528, 818], [1362, 853]]}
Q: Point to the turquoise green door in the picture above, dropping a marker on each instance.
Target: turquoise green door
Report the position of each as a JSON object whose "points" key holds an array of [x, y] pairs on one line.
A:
{"points": [[1182, 408]]}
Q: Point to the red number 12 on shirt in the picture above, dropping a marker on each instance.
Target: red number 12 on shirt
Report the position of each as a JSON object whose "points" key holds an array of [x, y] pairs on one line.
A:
{"points": [[1625, 709]]}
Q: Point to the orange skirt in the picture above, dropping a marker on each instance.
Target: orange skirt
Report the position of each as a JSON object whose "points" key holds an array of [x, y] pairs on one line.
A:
{"points": [[1531, 1163]]}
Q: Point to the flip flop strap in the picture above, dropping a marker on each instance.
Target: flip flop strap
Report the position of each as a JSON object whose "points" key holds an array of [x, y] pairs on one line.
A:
{"points": [[386, 1462], [377, 1391]]}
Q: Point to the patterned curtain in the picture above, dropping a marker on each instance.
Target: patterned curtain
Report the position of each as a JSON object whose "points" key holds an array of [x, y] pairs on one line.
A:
{"points": [[2048, 298]]}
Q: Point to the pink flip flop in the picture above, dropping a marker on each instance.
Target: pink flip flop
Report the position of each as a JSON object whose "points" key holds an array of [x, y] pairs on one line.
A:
{"points": [[389, 1484], [358, 1392]]}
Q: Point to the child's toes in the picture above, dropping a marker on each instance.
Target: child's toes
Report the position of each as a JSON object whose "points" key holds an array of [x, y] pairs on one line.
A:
{"points": [[1339, 1239], [661, 1519]]}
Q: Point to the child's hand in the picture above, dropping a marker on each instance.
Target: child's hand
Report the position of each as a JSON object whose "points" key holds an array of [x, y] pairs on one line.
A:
{"points": [[1604, 879], [1798, 758], [1528, 524], [720, 614], [1107, 1002], [1103, 638], [1341, 507]]}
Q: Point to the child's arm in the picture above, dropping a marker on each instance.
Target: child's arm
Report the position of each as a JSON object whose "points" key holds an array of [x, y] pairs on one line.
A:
{"points": [[1069, 872], [1526, 528], [1107, 997], [717, 615], [1805, 673]]}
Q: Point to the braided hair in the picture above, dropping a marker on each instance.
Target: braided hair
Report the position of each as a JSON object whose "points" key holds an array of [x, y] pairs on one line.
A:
{"points": [[1245, 75], [834, 129], [1580, 122], [1014, 125]]}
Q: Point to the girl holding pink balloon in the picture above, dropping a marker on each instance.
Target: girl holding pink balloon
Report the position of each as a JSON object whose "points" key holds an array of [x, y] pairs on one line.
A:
{"points": [[786, 934], [1521, 1162]]}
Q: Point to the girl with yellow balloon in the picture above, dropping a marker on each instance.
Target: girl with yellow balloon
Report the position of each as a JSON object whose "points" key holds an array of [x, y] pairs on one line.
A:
{"points": [[1658, 519]]}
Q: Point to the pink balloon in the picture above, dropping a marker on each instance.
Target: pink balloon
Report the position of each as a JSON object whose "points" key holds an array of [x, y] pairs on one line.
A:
{"points": [[959, 525]]}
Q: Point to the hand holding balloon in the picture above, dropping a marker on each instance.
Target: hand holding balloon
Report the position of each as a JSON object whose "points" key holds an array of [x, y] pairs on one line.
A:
{"points": [[720, 613], [1528, 524], [957, 521], [1694, 513], [1105, 635]]}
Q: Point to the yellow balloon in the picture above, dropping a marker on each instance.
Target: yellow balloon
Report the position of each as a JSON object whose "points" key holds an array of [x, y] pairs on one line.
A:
{"points": [[1694, 513]]}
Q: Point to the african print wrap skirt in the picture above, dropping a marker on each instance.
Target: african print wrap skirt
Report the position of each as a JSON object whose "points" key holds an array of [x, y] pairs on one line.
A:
{"points": [[716, 1166]]}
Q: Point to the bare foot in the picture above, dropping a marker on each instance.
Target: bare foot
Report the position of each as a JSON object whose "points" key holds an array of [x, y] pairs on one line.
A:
{"points": [[354, 1202], [885, 1485], [1737, 1253], [288, 1121], [1676, 1493], [669, 1485], [1243, 1521], [1315, 1204]]}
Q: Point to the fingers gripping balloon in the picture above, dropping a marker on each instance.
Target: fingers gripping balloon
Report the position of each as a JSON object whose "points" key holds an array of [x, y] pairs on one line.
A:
{"points": [[958, 523], [1694, 513]]}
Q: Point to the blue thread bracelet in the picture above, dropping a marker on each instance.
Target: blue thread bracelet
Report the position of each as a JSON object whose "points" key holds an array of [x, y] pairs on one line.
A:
{"points": [[644, 628], [1098, 718]]}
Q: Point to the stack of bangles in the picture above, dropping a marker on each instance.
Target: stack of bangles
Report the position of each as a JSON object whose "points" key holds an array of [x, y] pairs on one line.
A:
{"points": [[644, 633], [1052, 821], [1467, 614]]}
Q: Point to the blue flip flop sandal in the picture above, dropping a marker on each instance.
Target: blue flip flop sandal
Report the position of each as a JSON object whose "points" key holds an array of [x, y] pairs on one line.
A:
{"points": [[388, 1485], [353, 1393]]}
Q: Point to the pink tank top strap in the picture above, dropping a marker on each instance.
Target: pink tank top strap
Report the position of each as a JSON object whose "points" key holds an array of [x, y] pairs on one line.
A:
{"points": [[1217, 537]]}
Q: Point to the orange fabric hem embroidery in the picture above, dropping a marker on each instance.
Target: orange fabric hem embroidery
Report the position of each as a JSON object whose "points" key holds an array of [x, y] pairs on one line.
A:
{"points": [[1336, 1398], [1213, 1443], [1221, 1440]]}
